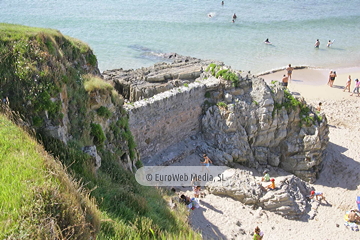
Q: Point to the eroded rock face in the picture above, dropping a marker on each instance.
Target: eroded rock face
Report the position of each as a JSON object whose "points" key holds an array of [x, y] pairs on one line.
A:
{"points": [[288, 199], [253, 124], [144, 83], [91, 150], [238, 184], [253, 131]]}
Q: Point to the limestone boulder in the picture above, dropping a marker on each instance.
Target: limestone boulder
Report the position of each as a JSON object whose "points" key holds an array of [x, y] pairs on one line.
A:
{"points": [[289, 199], [91, 150]]}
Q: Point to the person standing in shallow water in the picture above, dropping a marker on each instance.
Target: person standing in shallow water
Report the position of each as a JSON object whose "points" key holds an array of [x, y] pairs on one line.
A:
{"points": [[317, 43]]}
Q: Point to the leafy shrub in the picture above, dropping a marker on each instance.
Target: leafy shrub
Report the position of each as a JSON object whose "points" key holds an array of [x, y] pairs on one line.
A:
{"points": [[224, 73], [103, 112], [139, 164], [97, 133], [222, 104], [91, 59], [212, 68], [207, 95], [37, 121]]}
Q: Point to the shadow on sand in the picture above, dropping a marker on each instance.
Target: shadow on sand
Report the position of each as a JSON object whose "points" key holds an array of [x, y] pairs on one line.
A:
{"points": [[338, 87], [211, 231], [338, 169]]}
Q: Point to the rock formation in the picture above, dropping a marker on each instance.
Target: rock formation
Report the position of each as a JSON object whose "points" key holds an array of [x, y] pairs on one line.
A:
{"points": [[235, 116], [289, 199]]}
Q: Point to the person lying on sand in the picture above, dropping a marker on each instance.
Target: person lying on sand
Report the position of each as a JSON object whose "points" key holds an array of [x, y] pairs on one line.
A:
{"points": [[317, 194]]}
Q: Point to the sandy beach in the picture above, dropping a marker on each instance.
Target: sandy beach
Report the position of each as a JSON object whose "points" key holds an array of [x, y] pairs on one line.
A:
{"points": [[225, 218]]}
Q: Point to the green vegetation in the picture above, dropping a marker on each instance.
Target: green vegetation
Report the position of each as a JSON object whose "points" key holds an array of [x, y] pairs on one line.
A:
{"points": [[186, 85], [207, 94], [103, 112], [93, 83], [226, 74], [37, 197], [40, 70], [291, 103], [128, 210], [34, 64], [222, 104], [97, 133]]}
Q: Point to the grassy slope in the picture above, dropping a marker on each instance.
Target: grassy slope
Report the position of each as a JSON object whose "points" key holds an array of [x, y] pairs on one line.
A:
{"points": [[126, 210], [37, 198]]}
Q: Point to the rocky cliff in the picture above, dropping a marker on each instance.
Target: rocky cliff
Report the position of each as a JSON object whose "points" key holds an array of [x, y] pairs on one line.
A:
{"points": [[231, 115], [54, 82]]}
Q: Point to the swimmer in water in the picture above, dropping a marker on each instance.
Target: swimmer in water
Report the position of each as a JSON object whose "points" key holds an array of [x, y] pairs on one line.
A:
{"points": [[329, 43], [317, 43]]}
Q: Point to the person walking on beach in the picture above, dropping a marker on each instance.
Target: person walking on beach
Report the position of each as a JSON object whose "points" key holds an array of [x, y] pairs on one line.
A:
{"points": [[206, 162], [222, 3], [332, 77], [357, 86], [348, 84], [285, 80], [289, 70], [317, 43]]}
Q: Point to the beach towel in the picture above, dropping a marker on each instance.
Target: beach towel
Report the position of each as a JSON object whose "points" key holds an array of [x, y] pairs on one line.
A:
{"points": [[358, 202]]}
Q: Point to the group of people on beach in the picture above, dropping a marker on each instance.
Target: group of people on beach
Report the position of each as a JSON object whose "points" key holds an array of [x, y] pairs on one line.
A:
{"points": [[356, 89], [193, 203]]}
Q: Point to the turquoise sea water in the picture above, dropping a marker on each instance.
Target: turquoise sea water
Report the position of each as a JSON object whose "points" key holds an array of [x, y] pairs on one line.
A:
{"points": [[123, 33]]}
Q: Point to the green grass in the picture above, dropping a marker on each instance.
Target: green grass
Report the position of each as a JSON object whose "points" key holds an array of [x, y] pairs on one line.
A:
{"points": [[222, 104], [103, 112], [226, 74], [291, 103], [35, 193], [36, 67], [92, 83]]}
